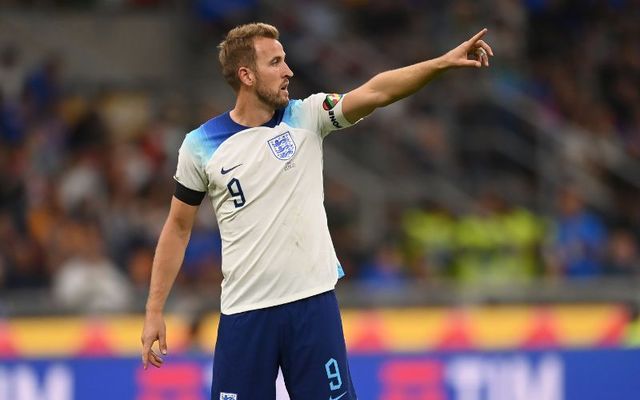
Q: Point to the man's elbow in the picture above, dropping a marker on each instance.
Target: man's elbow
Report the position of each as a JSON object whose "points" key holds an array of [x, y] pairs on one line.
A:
{"points": [[384, 99], [178, 227], [377, 97]]}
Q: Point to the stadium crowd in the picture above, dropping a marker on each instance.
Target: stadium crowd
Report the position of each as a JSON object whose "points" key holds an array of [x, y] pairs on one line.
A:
{"points": [[81, 204]]}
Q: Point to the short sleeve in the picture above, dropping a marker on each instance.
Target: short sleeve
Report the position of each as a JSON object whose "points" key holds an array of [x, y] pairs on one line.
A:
{"points": [[324, 111], [190, 170]]}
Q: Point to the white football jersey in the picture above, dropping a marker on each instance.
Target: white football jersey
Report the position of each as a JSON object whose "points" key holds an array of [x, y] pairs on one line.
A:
{"points": [[266, 187]]}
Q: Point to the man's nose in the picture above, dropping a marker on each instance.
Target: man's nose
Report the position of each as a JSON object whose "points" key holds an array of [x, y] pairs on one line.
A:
{"points": [[288, 72]]}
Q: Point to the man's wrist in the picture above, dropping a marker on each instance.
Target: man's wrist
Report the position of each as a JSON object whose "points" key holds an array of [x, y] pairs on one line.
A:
{"points": [[154, 309], [441, 63]]}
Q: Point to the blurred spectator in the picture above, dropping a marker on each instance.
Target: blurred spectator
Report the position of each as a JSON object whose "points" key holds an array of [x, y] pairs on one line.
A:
{"points": [[139, 266], [11, 123], [89, 132], [81, 188], [429, 246], [12, 74], [385, 270], [43, 86], [623, 257], [26, 267], [341, 205], [13, 192], [89, 281], [579, 241], [45, 220], [21, 259], [202, 260], [220, 10]]}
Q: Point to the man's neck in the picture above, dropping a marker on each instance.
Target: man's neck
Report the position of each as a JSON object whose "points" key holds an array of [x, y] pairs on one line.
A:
{"points": [[251, 112]]}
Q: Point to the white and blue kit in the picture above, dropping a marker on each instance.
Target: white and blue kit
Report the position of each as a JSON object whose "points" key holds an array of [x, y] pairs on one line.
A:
{"points": [[278, 261]]}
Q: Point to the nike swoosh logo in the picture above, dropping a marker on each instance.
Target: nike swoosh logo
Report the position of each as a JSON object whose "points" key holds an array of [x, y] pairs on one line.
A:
{"points": [[336, 398], [226, 171]]}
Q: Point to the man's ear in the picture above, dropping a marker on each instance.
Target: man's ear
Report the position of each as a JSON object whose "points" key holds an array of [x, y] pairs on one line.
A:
{"points": [[246, 76]]}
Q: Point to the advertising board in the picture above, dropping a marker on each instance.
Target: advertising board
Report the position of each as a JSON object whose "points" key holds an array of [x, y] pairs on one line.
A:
{"points": [[506, 375]]}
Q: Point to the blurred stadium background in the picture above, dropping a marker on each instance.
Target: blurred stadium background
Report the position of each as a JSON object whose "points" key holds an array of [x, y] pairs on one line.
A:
{"points": [[488, 225]]}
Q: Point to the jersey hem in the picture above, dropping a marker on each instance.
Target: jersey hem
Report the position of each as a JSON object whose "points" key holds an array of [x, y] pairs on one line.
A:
{"points": [[279, 301]]}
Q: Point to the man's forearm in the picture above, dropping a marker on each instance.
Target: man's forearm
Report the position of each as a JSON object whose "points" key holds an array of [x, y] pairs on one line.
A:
{"points": [[166, 264], [391, 86], [399, 83]]}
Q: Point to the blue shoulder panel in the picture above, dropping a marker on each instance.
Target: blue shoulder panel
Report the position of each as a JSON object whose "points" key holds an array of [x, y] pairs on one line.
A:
{"points": [[290, 113], [206, 139]]}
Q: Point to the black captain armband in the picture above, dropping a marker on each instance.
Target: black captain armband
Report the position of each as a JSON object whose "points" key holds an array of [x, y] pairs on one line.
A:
{"points": [[186, 195]]}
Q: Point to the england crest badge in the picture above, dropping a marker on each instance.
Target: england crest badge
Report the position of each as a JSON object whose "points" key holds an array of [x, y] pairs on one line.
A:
{"points": [[283, 146]]}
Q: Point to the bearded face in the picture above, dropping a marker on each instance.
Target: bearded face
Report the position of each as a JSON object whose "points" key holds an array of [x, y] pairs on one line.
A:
{"points": [[272, 73], [272, 95]]}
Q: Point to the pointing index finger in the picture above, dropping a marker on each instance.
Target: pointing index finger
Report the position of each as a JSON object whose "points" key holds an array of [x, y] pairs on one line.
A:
{"points": [[477, 37]]}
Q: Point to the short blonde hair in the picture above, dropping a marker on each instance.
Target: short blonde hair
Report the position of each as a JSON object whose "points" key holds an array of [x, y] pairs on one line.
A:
{"points": [[237, 49]]}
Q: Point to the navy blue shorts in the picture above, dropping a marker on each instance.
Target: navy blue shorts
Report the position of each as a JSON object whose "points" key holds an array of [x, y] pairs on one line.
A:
{"points": [[304, 338]]}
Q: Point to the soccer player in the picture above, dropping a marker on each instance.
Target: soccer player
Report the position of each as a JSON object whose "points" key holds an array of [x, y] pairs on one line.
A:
{"points": [[261, 166]]}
